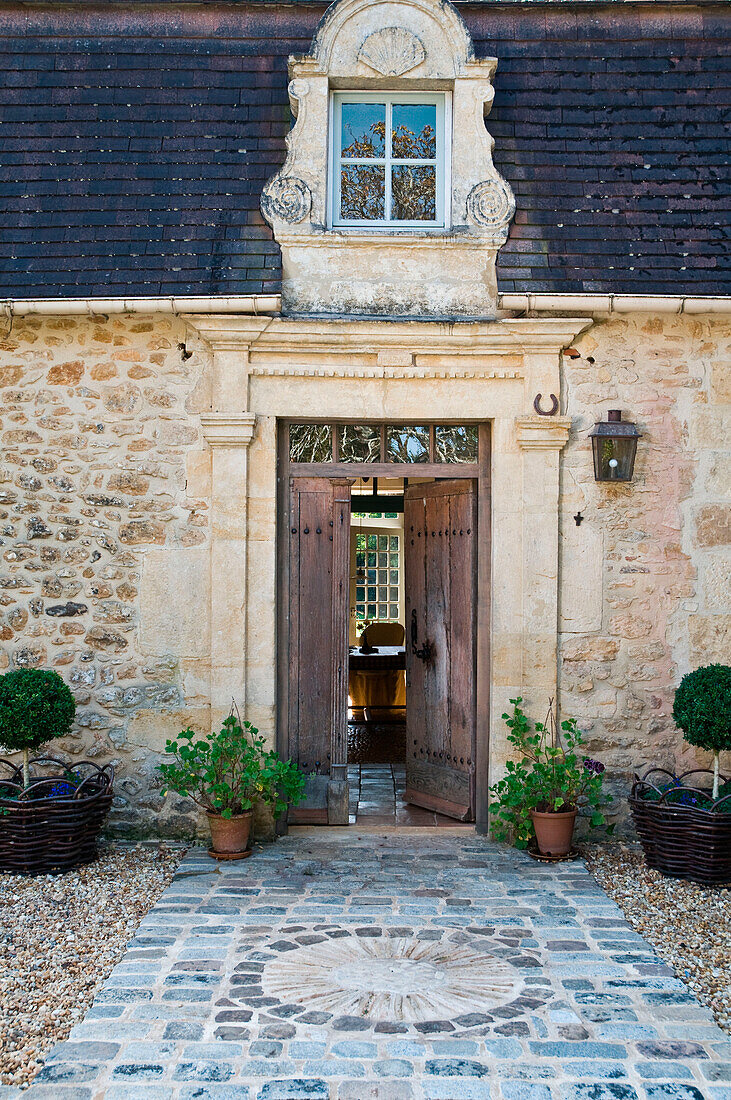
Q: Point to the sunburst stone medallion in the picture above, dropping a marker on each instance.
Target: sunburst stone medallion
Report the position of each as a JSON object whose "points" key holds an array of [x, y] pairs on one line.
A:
{"points": [[401, 979]]}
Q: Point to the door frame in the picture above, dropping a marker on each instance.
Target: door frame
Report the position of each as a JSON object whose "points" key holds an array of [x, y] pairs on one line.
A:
{"points": [[479, 471]]}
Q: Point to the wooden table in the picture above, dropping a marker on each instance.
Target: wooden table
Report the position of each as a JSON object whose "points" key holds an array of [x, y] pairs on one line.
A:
{"points": [[383, 658]]}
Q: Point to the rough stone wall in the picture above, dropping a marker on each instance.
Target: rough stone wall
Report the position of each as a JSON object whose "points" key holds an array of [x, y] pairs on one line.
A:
{"points": [[102, 465], [646, 577], [104, 497]]}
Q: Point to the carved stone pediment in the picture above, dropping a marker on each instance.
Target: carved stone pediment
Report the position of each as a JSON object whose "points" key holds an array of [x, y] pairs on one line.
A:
{"points": [[394, 46]]}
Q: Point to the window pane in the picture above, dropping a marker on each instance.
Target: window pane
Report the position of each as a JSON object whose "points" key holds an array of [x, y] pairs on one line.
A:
{"points": [[372, 593], [382, 612], [394, 576], [372, 545], [394, 594], [360, 594], [362, 193], [393, 611], [310, 443], [371, 611], [383, 594], [394, 561], [372, 558], [394, 542], [407, 444], [414, 131], [383, 542], [413, 194], [363, 129], [360, 443], [456, 444]]}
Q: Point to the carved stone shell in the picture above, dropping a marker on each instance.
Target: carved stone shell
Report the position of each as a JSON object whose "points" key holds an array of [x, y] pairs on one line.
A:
{"points": [[491, 203], [392, 51], [286, 198]]}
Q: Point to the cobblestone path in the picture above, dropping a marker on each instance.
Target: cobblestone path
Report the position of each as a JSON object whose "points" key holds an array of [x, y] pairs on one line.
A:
{"points": [[426, 964]]}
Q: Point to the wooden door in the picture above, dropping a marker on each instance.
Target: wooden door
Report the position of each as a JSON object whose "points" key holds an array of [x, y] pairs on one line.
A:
{"points": [[319, 555], [440, 527]]}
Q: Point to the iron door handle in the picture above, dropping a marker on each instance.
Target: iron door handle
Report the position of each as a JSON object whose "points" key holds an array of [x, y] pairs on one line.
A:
{"points": [[425, 652]]}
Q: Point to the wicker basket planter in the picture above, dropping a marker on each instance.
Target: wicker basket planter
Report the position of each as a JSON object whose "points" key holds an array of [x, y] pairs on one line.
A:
{"points": [[683, 833], [53, 827]]}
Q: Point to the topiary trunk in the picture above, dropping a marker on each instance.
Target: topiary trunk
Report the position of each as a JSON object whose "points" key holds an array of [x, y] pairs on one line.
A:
{"points": [[26, 768], [715, 775]]}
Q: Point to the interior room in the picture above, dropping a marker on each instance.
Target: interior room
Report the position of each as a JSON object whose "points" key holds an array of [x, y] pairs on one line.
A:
{"points": [[377, 695]]}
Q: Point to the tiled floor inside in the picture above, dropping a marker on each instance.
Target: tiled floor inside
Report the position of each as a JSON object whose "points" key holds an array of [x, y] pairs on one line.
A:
{"points": [[377, 798], [412, 964]]}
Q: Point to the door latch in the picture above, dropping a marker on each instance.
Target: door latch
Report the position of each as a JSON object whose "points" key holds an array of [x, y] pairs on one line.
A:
{"points": [[426, 652]]}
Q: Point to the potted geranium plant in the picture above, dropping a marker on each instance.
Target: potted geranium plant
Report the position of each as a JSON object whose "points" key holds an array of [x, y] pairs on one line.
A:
{"points": [[226, 774], [50, 815], [684, 821], [537, 800]]}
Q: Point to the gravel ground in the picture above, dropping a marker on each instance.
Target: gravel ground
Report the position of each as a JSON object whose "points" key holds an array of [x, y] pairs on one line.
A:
{"points": [[60, 936], [688, 925]]}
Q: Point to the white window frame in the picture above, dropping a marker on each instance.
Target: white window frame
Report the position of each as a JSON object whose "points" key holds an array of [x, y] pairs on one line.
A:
{"points": [[443, 103]]}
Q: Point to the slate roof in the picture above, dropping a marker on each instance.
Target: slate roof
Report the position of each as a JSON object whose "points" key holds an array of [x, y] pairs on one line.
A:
{"points": [[134, 143]]}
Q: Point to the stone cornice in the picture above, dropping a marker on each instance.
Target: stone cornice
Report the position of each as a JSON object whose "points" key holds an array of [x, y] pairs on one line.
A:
{"points": [[542, 433], [285, 337], [228, 429]]}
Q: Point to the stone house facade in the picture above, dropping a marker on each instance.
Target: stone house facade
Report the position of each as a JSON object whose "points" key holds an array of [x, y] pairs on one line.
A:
{"points": [[177, 287]]}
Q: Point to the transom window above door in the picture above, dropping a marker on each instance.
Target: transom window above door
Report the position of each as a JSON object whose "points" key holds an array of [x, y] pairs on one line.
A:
{"points": [[383, 443], [388, 160]]}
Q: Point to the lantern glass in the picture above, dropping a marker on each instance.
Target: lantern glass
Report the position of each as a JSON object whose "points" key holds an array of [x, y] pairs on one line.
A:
{"points": [[614, 443]]}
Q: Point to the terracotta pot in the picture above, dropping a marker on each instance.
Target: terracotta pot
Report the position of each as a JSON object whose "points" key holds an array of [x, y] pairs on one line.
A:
{"points": [[554, 832], [230, 834]]}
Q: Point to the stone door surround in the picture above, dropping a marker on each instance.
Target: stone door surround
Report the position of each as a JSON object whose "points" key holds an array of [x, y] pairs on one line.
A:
{"points": [[264, 369]]}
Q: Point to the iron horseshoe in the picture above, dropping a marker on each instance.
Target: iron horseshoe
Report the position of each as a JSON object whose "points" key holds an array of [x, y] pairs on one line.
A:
{"points": [[554, 405]]}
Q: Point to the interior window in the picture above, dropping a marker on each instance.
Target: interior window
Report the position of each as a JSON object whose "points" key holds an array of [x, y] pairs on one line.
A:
{"points": [[388, 159]]}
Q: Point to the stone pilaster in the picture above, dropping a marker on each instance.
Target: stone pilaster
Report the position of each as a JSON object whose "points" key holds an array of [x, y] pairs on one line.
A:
{"points": [[229, 436], [541, 440]]}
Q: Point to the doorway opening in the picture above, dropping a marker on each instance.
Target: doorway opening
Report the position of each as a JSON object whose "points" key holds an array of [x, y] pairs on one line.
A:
{"points": [[382, 621], [377, 689]]}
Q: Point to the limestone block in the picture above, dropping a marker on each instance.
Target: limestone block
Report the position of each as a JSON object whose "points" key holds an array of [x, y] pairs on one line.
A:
{"points": [[150, 729], [581, 564], [718, 480], [174, 602], [710, 427], [590, 649], [717, 581], [713, 525], [710, 639]]}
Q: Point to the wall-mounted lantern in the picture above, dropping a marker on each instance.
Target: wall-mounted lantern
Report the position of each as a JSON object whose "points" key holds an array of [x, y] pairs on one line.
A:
{"points": [[614, 442]]}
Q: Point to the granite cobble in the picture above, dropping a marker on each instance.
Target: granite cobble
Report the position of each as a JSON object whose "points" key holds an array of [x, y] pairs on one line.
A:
{"points": [[408, 966]]}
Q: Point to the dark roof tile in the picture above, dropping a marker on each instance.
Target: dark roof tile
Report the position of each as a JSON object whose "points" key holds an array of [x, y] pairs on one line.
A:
{"points": [[135, 143]]}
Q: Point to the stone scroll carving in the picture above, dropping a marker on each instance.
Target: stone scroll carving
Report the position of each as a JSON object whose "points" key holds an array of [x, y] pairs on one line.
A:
{"points": [[287, 198], [491, 203], [392, 51]]}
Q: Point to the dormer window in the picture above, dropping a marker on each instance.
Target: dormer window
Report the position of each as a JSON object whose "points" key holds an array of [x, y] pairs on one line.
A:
{"points": [[388, 162], [388, 202]]}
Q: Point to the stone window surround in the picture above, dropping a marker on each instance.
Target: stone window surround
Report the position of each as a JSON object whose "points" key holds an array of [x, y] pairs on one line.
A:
{"points": [[266, 369], [392, 46]]}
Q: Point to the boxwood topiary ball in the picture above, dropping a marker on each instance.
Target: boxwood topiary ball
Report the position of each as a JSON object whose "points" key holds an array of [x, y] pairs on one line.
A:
{"points": [[36, 706], [702, 707]]}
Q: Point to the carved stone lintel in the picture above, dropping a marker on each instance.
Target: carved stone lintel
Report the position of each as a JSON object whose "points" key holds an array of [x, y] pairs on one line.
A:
{"points": [[228, 429], [392, 51], [538, 434], [491, 203], [286, 198]]}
